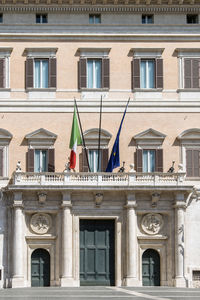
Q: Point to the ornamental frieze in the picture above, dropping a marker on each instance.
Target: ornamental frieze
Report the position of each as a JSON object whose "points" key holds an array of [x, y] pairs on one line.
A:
{"points": [[40, 223], [152, 223]]}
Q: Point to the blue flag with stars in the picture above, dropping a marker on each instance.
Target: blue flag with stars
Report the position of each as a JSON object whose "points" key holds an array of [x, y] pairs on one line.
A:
{"points": [[114, 160]]}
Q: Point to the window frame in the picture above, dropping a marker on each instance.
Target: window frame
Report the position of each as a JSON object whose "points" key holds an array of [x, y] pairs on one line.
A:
{"points": [[42, 20], [94, 79], [95, 17], [148, 160], [147, 79], [47, 158], [40, 60], [1, 18], [192, 15], [146, 16]]}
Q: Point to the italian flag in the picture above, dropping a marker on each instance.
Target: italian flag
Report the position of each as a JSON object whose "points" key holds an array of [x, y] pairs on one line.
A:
{"points": [[74, 140]]}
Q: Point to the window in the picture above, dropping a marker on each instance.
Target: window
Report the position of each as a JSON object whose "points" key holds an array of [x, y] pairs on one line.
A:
{"points": [[94, 18], [91, 137], [5, 67], [149, 154], [193, 162], [41, 154], [41, 73], [192, 19], [1, 18], [94, 73], [41, 68], [147, 68], [192, 72], [93, 160], [5, 137], [41, 18], [147, 19], [94, 69], [148, 159], [147, 74], [40, 161]]}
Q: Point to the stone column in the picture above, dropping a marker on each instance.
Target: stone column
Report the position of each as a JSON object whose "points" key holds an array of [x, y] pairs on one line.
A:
{"points": [[67, 272], [131, 242], [179, 207], [18, 242]]}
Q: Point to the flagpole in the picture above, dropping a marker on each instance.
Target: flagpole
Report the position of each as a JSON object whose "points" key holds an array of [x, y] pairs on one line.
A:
{"points": [[99, 142], [86, 154]]}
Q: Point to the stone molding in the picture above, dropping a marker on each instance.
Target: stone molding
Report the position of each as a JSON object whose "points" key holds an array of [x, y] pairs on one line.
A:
{"points": [[80, 6]]}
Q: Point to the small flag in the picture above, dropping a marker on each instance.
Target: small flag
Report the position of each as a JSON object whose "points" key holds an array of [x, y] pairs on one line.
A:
{"points": [[114, 160], [74, 140]]}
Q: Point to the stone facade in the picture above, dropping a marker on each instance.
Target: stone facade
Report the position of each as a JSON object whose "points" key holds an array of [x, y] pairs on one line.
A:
{"points": [[155, 212]]}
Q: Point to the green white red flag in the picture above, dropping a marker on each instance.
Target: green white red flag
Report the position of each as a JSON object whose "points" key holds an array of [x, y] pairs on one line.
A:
{"points": [[75, 140]]}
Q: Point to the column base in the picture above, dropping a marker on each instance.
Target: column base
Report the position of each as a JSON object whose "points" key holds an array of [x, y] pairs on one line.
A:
{"points": [[18, 282], [180, 282], [67, 282], [132, 281]]}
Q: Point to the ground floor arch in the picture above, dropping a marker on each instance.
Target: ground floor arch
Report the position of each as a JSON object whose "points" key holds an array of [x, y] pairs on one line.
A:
{"points": [[150, 268], [40, 268]]}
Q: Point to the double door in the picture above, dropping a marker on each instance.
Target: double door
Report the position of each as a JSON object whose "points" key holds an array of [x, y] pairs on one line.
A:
{"points": [[40, 268], [151, 268]]}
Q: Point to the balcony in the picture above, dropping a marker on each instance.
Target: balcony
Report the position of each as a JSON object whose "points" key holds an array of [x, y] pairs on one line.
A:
{"points": [[100, 180]]}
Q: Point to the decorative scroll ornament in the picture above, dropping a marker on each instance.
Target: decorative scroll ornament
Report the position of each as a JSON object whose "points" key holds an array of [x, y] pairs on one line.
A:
{"points": [[152, 223], [41, 223]]}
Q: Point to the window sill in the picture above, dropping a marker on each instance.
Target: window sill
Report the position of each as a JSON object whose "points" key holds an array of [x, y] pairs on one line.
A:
{"points": [[147, 90], [189, 90], [5, 89], [94, 90], [41, 90]]}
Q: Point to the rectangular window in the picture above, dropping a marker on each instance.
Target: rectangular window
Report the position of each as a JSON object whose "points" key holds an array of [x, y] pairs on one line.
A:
{"points": [[94, 73], [147, 74], [94, 18], [193, 163], [40, 161], [147, 19], [41, 73], [93, 160], [41, 18], [192, 73], [148, 160], [1, 18], [192, 19]]}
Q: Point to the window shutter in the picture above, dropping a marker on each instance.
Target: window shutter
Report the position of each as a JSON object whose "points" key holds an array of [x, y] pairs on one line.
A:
{"points": [[51, 160], [83, 73], [52, 72], [2, 73], [136, 73], [29, 72], [192, 163], [106, 73], [187, 73], [195, 73], [1, 162], [138, 160], [83, 161], [189, 169], [159, 73], [104, 159], [196, 163], [30, 160], [159, 160]]}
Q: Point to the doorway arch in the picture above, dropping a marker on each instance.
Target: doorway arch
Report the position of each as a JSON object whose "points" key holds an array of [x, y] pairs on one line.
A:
{"points": [[151, 268], [40, 268]]}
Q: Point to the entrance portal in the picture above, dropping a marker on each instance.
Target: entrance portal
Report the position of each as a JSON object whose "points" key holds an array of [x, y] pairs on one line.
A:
{"points": [[40, 268], [97, 252], [151, 268]]}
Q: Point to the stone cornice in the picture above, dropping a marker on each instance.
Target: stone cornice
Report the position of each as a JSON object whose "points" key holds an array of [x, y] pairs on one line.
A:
{"points": [[78, 6]]}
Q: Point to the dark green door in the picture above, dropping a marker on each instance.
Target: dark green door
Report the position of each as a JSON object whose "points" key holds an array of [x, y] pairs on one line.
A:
{"points": [[97, 252], [40, 268], [151, 268]]}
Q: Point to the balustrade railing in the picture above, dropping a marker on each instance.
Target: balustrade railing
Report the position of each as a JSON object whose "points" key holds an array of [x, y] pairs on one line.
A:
{"points": [[98, 179]]}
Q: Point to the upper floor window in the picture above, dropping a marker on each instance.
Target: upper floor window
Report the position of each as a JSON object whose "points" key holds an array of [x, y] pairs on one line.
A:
{"points": [[5, 67], [192, 73], [147, 19], [41, 153], [94, 18], [1, 18], [41, 18], [5, 137], [94, 69], [192, 19], [94, 160], [41, 68], [147, 73], [149, 152]]}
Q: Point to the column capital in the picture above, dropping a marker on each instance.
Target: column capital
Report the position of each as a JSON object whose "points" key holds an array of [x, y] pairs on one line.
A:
{"points": [[130, 200], [180, 201], [66, 199]]}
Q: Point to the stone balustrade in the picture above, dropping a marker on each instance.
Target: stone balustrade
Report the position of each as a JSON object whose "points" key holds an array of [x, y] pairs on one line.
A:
{"points": [[99, 179]]}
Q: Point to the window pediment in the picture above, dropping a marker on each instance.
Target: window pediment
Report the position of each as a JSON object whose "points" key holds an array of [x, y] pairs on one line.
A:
{"points": [[40, 52], [92, 137], [93, 52], [5, 136], [144, 52], [41, 137], [190, 135], [150, 136]]}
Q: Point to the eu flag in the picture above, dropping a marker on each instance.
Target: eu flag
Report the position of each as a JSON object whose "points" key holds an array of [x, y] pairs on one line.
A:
{"points": [[114, 160]]}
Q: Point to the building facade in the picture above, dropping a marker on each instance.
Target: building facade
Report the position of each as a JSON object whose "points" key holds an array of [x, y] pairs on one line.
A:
{"points": [[89, 227]]}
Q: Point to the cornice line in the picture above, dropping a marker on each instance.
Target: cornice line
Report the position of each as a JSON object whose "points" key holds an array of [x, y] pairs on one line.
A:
{"points": [[100, 8]]}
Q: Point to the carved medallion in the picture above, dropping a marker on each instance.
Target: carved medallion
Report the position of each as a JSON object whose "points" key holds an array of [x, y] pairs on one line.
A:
{"points": [[152, 223], [41, 223]]}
